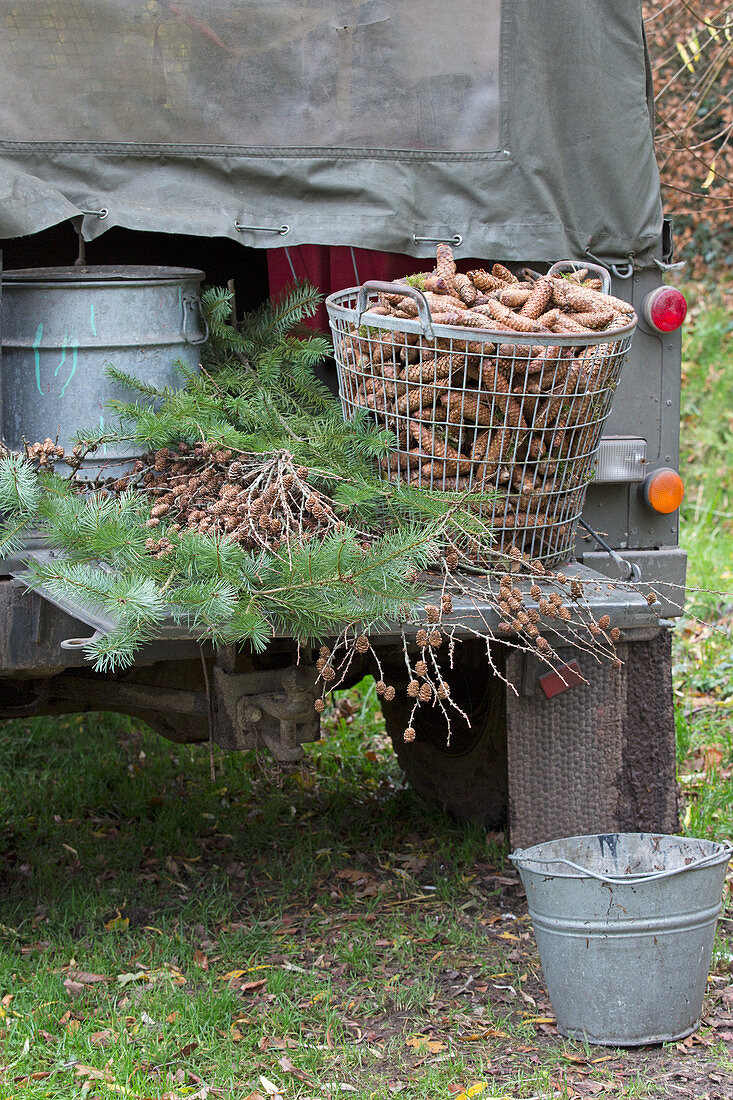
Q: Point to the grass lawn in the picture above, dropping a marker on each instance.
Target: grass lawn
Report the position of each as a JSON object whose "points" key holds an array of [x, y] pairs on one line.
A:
{"points": [[319, 932]]}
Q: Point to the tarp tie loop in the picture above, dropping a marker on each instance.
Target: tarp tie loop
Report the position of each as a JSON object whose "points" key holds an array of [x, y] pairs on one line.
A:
{"points": [[281, 229], [455, 240]]}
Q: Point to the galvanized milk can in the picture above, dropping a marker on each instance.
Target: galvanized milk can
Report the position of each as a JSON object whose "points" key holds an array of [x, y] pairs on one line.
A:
{"points": [[625, 924], [62, 328]]}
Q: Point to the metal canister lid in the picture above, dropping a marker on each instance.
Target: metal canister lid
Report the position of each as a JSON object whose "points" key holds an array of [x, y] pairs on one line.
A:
{"points": [[102, 273]]}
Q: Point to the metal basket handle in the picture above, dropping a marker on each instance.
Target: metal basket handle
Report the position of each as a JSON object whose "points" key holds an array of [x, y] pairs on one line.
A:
{"points": [[423, 309], [576, 265]]}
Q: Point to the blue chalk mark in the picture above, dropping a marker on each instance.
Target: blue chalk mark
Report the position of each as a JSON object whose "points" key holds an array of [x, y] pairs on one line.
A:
{"points": [[74, 344], [37, 354], [94, 327], [63, 353]]}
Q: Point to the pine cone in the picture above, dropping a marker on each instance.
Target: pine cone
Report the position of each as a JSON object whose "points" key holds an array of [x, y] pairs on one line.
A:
{"points": [[432, 612], [362, 644], [409, 734], [421, 638], [466, 289], [421, 668], [413, 689], [436, 639], [604, 622], [483, 281], [389, 693], [425, 693], [319, 706], [446, 602]]}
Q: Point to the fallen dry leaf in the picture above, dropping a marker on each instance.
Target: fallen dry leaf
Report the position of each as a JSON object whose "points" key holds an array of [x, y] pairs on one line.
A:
{"points": [[201, 959], [270, 1088], [118, 923], [251, 987], [103, 1038], [423, 1043], [268, 1041], [287, 1066], [40, 1075], [74, 989], [85, 977]]}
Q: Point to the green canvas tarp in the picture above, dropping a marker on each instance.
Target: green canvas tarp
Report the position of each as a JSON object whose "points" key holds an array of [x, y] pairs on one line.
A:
{"points": [[521, 128]]}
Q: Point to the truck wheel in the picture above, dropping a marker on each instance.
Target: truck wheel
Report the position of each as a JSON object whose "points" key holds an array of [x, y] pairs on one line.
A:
{"points": [[468, 777]]}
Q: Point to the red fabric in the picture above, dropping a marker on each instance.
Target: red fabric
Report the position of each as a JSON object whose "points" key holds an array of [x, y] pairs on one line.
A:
{"points": [[333, 268]]}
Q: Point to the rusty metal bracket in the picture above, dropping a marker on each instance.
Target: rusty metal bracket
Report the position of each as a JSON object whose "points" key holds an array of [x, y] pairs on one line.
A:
{"points": [[273, 709]]}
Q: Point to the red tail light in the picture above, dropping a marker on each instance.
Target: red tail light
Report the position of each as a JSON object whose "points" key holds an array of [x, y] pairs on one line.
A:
{"points": [[664, 309]]}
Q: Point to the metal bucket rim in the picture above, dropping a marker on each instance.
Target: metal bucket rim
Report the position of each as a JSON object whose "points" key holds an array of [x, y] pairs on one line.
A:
{"points": [[720, 852], [101, 275]]}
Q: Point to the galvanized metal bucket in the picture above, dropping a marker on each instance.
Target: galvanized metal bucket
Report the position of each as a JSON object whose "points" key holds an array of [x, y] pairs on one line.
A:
{"points": [[625, 924], [62, 328]]}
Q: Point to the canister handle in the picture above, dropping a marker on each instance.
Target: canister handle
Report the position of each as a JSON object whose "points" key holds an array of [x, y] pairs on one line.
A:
{"points": [[189, 302], [521, 860], [423, 309]]}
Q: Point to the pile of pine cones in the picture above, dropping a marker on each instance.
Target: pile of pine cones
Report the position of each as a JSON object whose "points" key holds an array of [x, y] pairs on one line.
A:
{"points": [[483, 412]]}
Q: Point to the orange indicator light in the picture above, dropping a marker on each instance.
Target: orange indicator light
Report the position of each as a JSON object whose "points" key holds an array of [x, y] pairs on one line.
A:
{"points": [[664, 491]]}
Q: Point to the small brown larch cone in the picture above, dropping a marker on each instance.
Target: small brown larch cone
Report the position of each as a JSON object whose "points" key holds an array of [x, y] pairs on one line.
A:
{"points": [[506, 319], [538, 299], [485, 282], [503, 273], [513, 296], [595, 319], [437, 449], [466, 290]]}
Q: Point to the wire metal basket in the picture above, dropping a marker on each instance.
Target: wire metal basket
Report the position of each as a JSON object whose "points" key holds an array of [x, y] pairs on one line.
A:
{"points": [[477, 410]]}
